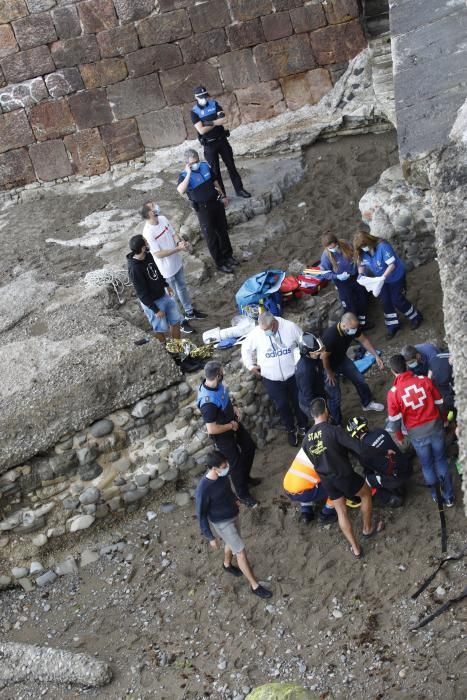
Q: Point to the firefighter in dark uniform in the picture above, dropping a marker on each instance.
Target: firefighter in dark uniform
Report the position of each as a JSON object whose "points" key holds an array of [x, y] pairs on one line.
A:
{"points": [[209, 118], [223, 423], [387, 469], [203, 191]]}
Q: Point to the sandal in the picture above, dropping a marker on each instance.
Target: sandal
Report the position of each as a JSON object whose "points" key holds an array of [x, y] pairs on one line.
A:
{"points": [[357, 556], [378, 526]]}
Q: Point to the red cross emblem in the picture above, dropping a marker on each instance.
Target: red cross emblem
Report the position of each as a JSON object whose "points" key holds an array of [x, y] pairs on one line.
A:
{"points": [[414, 396]]}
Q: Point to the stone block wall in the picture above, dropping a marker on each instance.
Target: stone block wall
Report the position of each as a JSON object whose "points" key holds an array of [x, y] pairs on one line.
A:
{"points": [[88, 84]]}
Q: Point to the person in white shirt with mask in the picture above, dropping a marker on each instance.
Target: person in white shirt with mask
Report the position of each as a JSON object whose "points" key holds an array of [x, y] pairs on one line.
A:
{"points": [[167, 247], [267, 352]]}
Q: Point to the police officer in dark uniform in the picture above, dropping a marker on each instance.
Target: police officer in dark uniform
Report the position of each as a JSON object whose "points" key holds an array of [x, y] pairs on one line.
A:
{"points": [[209, 118], [203, 190], [224, 427]]}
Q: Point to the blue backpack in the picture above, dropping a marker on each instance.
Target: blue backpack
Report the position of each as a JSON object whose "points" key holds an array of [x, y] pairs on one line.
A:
{"points": [[261, 289]]}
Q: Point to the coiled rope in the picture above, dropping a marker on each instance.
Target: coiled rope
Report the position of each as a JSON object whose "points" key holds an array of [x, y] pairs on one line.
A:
{"points": [[106, 277]]}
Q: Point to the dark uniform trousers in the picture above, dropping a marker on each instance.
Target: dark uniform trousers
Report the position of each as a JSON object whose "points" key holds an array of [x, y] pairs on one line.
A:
{"points": [[239, 450], [213, 222], [221, 147]]}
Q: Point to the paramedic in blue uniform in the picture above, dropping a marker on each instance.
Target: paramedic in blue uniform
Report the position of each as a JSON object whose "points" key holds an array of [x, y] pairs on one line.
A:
{"points": [[204, 193], [223, 423], [209, 118], [338, 265], [418, 357], [375, 256]]}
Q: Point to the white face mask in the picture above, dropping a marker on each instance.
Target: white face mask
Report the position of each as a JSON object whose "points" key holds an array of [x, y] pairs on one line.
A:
{"points": [[195, 166], [269, 333], [223, 472], [350, 331], [413, 364], [365, 248], [157, 210], [333, 250], [202, 101]]}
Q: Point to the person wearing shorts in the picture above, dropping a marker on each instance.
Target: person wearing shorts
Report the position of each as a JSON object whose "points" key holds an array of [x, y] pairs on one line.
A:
{"points": [[153, 291], [328, 447], [217, 512]]}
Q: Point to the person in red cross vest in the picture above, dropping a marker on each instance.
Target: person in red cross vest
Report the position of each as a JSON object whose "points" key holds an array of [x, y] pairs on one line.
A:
{"points": [[417, 403]]}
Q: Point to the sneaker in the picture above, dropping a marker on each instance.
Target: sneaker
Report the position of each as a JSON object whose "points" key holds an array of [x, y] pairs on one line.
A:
{"points": [[249, 501], [261, 592], [292, 438], [186, 328], [374, 406], [449, 503], [232, 261], [226, 269], [232, 569], [301, 432], [243, 193], [195, 315], [327, 516], [306, 517], [254, 481]]}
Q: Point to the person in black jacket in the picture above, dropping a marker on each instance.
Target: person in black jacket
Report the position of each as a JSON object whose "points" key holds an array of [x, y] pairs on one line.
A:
{"points": [[309, 372], [328, 446], [153, 292], [387, 469]]}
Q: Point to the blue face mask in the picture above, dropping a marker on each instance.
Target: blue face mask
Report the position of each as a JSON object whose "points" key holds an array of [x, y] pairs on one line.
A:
{"points": [[195, 166], [333, 250], [350, 331], [224, 472], [413, 364], [365, 249], [269, 333], [157, 210]]}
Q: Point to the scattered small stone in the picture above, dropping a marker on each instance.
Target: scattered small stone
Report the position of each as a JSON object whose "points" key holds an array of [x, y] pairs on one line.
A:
{"points": [[46, 578], [440, 592], [81, 522], [66, 567], [151, 515], [337, 613], [167, 507], [101, 428], [19, 571], [182, 498], [26, 584], [142, 409], [402, 673], [90, 496], [402, 567], [222, 665], [141, 479], [36, 568]]}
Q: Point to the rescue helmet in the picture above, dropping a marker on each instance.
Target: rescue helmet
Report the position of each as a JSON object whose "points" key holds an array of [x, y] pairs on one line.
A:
{"points": [[310, 343], [200, 91], [357, 426]]}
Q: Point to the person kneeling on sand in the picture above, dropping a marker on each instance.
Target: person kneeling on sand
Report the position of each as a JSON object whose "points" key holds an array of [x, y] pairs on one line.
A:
{"points": [[303, 485], [328, 447], [217, 512]]}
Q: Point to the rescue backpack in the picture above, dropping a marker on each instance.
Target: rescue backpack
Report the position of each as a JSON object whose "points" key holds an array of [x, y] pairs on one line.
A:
{"points": [[261, 291]]}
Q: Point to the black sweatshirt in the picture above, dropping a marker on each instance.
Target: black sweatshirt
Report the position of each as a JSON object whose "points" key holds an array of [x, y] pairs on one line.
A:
{"points": [[328, 446], [147, 280]]}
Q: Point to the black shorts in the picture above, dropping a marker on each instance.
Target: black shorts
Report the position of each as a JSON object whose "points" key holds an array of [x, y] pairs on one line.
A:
{"points": [[343, 486]]}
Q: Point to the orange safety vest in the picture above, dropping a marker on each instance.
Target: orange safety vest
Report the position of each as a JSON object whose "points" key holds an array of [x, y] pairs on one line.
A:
{"points": [[301, 475]]}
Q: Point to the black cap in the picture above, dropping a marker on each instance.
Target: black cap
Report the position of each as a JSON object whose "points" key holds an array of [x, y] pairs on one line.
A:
{"points": [[200, 91]]}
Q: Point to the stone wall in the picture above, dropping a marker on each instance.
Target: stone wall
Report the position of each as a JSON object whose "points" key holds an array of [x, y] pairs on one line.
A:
{"points": [[85, 85]]}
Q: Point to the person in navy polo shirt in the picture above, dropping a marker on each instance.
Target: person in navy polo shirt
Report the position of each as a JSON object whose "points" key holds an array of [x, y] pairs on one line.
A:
{"points": [[375, 256], [203, 191], [209, 118]]}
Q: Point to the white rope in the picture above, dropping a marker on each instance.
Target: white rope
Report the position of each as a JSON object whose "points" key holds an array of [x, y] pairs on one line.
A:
{"points": [[106, 277]]}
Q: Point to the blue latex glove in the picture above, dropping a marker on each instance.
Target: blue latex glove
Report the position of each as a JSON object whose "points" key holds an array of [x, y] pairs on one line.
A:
{"points": [[343, 276]]}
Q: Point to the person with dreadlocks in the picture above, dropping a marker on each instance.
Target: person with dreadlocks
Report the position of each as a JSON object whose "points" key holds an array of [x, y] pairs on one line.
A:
{"points": [[338, 265]]}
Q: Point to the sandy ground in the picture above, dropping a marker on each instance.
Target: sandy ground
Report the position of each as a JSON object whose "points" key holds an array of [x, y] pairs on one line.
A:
{"points": [[174, 626]]}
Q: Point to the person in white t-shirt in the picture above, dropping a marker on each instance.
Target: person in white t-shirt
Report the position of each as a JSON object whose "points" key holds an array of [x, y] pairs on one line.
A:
{"points": [[167, 248]]}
